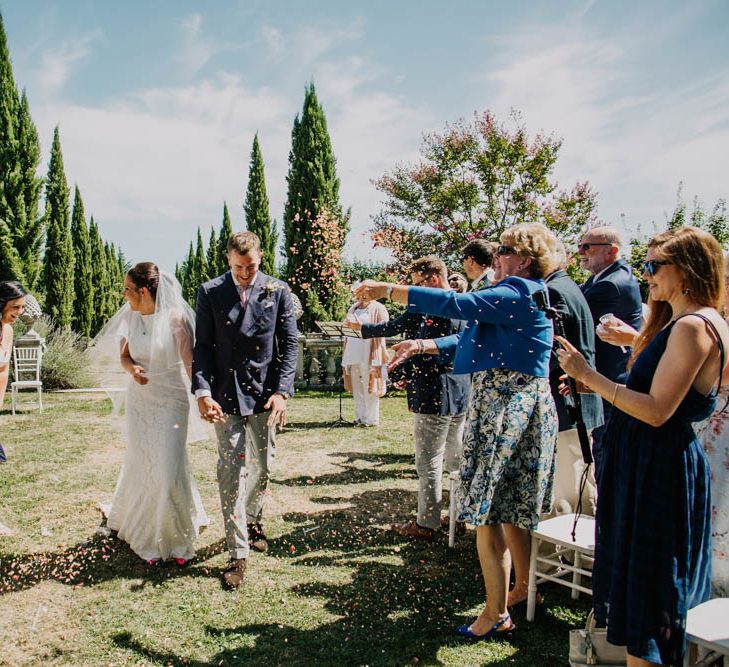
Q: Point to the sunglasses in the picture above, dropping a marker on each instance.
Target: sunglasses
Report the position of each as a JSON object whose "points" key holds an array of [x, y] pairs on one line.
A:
{"points": [[652, 265], [505, 250], [586, 246]]}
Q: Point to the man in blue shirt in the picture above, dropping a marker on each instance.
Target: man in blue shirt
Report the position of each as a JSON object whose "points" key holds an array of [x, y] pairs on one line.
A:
{"points": [[612, 288], [437, 398]]}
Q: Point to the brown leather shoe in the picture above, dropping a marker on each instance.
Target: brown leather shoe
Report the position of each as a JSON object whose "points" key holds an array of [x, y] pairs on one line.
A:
{"points": [[256, 538], [460, 525], [235, 573], [412, 529]]}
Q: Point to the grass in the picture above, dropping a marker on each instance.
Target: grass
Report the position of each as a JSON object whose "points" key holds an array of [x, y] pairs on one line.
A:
{"points": [[335, 588]]}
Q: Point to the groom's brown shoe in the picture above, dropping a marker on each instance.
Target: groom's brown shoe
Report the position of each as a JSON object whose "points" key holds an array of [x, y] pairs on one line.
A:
{"points": [[256, 538], [235, 573]]}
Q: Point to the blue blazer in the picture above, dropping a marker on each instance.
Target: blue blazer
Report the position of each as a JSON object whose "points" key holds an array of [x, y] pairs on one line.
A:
{"points": [[431, 387], [244, 358], [566, 298], [615, 292], [505, 328]]}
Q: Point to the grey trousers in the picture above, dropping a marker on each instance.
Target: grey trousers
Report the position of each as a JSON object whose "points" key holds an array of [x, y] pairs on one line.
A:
{"points": [[245, 448], [438, 441]]}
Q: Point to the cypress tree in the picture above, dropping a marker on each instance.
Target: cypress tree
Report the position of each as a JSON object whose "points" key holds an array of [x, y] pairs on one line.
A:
{"points": [[312, 205], [98, 276], [201, 265], [189, 278], [58, 267], [11, 210], [212, 255], [83, 305], [226, 231], [258, 219], [115, 286], [29, 239]]}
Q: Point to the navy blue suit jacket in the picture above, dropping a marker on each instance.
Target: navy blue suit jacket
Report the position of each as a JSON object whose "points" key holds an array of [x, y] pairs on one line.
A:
{"points": [[431, 387], [243, 358], [566, 298], [616, 292]]}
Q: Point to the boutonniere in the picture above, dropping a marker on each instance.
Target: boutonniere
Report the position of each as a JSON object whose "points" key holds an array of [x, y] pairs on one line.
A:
{"points": [[270, 287]]}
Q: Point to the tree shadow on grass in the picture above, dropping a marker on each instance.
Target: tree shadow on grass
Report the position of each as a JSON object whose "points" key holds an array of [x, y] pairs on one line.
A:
{"points": [[351, 473], [92, 562], [400, 605]]}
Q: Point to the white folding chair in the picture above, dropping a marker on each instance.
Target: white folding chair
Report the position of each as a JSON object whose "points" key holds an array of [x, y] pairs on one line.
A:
{"points": [[27, 366], [707, 626]]}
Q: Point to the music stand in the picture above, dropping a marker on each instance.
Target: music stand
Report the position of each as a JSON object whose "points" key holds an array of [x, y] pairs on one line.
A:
{"points": [[339, 330]]}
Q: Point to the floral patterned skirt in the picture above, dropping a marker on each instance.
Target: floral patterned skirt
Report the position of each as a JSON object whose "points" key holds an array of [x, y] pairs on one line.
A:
{"points": [[507, 469]]}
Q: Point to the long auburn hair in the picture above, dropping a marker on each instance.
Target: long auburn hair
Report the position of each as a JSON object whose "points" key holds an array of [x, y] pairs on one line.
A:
{"points": [[699, 257]]}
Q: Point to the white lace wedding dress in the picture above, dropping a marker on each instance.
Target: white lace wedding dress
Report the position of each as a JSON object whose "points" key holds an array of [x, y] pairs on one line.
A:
{"points": [[156, 507]]}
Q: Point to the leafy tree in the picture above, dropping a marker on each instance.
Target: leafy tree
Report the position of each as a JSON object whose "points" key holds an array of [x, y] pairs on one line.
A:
{"points": [[226, 231], [59, 261], [312, 210], [258, 219], [10, 264], [83, 305], [189, 280], [474, 180]]}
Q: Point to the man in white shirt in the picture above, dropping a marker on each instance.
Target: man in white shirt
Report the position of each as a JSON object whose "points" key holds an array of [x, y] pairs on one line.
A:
{"points": [[477, 257]]}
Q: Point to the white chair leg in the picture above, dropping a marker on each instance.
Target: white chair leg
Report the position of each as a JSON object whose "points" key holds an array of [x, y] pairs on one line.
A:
{"points": [[532, 588], [13, 398], [576, 576], [40, 399], [454, 477]]}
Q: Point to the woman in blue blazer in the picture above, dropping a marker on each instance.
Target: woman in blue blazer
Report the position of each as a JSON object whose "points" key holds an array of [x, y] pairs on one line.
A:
{"points": [[508, 460]]}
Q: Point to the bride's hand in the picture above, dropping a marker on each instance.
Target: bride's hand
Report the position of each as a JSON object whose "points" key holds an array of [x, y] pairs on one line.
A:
{"points": [[139, 374]]}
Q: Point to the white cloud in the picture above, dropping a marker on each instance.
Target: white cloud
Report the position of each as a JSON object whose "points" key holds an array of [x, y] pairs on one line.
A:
{"points": [[197, 48], [634, 147], [57, 64]]}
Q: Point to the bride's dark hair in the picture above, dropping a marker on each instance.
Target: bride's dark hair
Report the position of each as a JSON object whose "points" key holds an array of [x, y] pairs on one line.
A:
{"points": [[9, 291], [145, 274]]}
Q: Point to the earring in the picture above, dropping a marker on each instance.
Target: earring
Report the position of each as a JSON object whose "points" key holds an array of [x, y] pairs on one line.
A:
{"points": [[685, 292]]}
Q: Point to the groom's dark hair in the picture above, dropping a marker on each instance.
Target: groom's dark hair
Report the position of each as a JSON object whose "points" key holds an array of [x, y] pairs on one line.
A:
{"points": [[145, 274], [243, 242]]}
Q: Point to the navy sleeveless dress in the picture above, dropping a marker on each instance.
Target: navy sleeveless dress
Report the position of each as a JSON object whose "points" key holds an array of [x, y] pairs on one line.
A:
{"points": [[653, 522]]}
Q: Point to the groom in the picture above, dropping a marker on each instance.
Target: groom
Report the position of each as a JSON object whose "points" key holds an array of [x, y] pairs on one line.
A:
{"points": [[243, 372]]}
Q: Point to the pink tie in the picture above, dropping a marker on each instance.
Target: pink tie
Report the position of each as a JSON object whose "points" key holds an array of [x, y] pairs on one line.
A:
{"points": [[243, 291]]}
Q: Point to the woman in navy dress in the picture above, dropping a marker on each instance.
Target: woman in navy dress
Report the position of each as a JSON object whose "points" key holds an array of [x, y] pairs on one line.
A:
{"points": [[653, 521]]}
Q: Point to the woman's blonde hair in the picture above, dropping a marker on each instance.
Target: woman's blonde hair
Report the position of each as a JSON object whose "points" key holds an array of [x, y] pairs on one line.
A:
{"points": [[700, 260], [536, 241]]}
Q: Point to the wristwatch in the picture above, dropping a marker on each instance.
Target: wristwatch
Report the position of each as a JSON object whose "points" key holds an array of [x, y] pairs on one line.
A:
{"points": [[388, 294], [285, 394]]}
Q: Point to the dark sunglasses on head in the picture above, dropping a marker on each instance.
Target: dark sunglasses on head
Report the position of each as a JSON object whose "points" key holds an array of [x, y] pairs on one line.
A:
{"points": [[586, 246], [652, 265], [505, 250]]}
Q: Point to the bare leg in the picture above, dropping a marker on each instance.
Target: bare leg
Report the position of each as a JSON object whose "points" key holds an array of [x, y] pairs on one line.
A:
{"points": [[495, 567], [519, 543]]}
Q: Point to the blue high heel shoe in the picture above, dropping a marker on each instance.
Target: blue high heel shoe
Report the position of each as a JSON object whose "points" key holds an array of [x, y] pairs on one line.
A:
{"points": [[507, 635]]}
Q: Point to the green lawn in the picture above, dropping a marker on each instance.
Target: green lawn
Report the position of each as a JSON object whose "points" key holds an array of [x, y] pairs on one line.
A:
{"points": [[335, 588]]}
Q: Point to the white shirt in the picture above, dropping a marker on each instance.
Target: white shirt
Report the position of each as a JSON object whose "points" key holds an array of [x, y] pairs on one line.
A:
{"points": [[487, 278], [357, 350]]}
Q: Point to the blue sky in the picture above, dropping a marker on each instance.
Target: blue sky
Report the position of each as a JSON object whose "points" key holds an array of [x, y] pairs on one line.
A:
{"points": [[158, 101]]}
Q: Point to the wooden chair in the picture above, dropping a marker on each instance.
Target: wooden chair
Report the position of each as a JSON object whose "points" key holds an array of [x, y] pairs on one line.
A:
{"points": [[27, 366]]}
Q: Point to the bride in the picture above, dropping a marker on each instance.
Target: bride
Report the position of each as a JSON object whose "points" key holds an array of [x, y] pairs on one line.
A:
{"points": [[156, 507]]}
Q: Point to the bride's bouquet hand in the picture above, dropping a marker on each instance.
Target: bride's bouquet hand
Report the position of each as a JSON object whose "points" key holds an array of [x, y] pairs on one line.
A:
{"points": [[139, 374]]}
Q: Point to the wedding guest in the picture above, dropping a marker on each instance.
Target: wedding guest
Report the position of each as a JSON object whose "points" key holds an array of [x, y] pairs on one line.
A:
{"points": [[507, 465], [567, 299], [156, 507], [458, 282], [653, 521], [12, 302], [611, 288], [364, 362], [478, 257], [437, 398]]}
